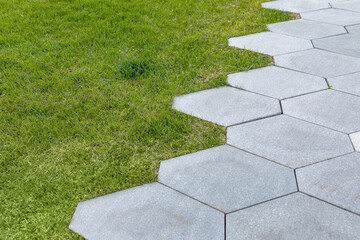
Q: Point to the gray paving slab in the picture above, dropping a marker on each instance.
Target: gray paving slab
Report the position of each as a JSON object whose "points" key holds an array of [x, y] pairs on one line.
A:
{"points": [[276, 82], [348, 44], [289, 141], [296, 6], [306, 29], [227, 106], [329, 108], [349, 83], [333, 16], [336, 181], [336, 1], [147, 212], [227, 178], [318, 62], [270, 43], [348, 5], [353, 28], [294, 217], [355, 138]]}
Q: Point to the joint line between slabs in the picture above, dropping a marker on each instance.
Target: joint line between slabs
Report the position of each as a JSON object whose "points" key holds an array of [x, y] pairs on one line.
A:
{"points": [[285, 195], [352, 144], [296, 181], [324, 160], [315, 124], [332, 204], [342, 54], [259, 156], [253, 120], [304, 94], [225, 226], [190, 197], [337, 90]]}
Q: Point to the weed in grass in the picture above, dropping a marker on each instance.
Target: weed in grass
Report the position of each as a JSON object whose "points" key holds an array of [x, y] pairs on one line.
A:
{"points": [[134, 68]]}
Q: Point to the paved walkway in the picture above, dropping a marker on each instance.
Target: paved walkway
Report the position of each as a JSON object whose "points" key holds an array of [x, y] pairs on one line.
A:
{"points": [[289, 170]]}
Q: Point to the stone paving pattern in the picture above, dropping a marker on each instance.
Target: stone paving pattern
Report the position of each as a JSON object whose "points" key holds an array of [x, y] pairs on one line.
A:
{"points": [[219, 177], [289, 141], [353, 28], [333, 109], [290, 168], [333, 181], [318, 62], [227, 106], [344, 44], [270, 43], [333, 16], [349, 83], [277, 82], [306, 29]]}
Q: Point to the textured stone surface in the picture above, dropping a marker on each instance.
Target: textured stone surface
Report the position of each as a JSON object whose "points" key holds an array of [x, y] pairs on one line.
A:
{"points": [[353, 5], [355, 138], [333, 109], [295, 217], [270, 43], [306, 29], [226, 106], [353, 28], [336, 181], [348, 44], [289, 141], [277, 82], [333, 16], [227, 178], [296, 6], [348, 83], [148, 212], [319, 62]]}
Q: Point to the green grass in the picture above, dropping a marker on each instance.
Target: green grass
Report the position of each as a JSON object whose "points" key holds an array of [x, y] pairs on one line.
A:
{"points": [[86, 89]]}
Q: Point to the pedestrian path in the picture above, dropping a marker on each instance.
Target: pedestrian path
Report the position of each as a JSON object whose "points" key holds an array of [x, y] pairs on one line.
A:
{"points": [[290, 168]]}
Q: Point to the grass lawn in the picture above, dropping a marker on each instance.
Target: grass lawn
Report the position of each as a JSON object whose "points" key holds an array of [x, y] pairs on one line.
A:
{"points": [[86, 89]]}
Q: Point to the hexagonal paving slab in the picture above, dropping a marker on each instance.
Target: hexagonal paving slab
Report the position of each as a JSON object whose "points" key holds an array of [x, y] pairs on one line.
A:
{"points": [[333, 16], [295, 217], [319, 62], [270, 43], [227, 178], [347, 44], [147, 212], [353, 28], [289, 141], [348, 83], [336, 181], [296, 6], [329, 108], [355, 138], [277, 82], [353, 5], [227, 106], [306, 29]]}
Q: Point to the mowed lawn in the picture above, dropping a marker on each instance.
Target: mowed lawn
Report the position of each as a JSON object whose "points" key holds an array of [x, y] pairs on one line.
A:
{"points": [[86, 89]]}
